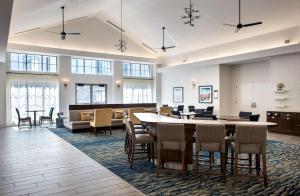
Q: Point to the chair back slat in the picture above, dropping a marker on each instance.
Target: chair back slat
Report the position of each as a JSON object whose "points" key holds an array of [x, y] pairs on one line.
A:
{"points": [[247, 134], [18, 113], [210, 134]]}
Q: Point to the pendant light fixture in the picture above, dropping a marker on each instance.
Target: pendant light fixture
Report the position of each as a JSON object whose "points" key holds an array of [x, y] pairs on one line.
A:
{"points": [[190, 14], [122, 43]]}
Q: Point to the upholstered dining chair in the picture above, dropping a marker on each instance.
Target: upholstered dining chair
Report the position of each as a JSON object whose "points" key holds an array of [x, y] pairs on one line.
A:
{"points": [[136, 122], [250, 140], [127, 135], [165, 111], [23, 120], [191, 108], [243, 114], [47, 118], [170, 137], [211, 138], [139, 144], [102, 119], [254, 117]]}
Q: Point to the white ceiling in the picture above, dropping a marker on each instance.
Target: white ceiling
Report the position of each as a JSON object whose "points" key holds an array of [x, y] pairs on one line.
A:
{"points": [[143, 19]]}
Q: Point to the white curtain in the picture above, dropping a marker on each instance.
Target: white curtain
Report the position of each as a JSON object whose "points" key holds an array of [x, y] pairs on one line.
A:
{"points": [[30, 92], [137, 91]]}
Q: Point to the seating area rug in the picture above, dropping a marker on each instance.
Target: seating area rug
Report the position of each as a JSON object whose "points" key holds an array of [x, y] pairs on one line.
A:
{"points": [[283, 169]]}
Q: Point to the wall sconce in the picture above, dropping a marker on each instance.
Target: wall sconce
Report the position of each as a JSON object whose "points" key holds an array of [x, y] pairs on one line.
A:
{"points": [[65, 82], [194, 82], [118, 83]]}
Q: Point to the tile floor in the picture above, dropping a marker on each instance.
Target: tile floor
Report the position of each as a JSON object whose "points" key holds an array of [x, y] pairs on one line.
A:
{"points": [[37, 162]]}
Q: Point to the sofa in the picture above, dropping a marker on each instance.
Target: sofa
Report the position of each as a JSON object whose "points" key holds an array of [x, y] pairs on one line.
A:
{"points": [[81, 115]]}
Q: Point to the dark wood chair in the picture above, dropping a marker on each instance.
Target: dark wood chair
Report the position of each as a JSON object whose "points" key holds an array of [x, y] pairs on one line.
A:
{"points": [[23, 120], [209, 110], [47, 118], [243, 114], [170, 137], [191, 108], [250, 140], [254, 117], [211, 138]]}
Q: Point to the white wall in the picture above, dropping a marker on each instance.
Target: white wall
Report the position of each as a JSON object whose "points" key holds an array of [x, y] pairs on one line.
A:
{"points": [[2, 94], [286, 69], [183, 78], [250, 83]]}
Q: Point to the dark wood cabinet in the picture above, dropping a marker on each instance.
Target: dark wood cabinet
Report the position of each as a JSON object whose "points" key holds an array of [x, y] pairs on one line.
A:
{"points": [[287, 122]]}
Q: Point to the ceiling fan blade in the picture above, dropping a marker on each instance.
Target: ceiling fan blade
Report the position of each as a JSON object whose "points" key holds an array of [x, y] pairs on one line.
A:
{"points": [[252, 24], [169, 47], [73, 33], [230, 25], [53, 32]]}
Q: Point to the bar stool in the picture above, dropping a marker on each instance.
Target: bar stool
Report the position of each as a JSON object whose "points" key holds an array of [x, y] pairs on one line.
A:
{"points": [[250, 140], [170, 137], [139, 139], [211, 138]]}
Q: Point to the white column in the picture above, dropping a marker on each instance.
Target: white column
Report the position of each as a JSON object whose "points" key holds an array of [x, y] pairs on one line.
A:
{"points": [[2, 94], [117, 77], [66, 96]]}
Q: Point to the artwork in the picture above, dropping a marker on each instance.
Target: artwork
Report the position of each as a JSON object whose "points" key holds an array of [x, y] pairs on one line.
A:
{"points": [[205, 94], [178, 94]]}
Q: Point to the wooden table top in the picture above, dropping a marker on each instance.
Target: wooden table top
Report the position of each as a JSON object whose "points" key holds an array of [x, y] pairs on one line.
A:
{"points": [[232, 118], [155, 118]]}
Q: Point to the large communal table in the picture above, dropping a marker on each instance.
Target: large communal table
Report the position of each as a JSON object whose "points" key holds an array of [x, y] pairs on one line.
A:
{"points": [[151, 120]]}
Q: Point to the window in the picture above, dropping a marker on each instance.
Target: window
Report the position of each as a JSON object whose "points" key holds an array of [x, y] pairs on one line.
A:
{"points": [[27, 92], [90, 93], [137, 91], [32, 62], [90, 66], [136, 70]]}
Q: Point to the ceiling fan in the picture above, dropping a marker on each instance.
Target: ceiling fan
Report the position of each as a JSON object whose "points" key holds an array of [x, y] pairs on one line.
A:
{"points": [[63, 34], [164, 48], [240, 25]]}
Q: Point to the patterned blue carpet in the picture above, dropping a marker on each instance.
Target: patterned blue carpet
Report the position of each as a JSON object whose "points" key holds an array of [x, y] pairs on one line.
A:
{"points": [[283, 169]]}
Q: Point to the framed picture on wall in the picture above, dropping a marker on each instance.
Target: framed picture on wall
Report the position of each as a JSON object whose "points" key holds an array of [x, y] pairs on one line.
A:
{"points": [[206, 94], [178, 94]]}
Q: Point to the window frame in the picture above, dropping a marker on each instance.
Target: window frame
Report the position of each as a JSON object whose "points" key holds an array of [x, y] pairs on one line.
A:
{"points": [[91, 94], [133, 70], [26, 63], [104, 62]]}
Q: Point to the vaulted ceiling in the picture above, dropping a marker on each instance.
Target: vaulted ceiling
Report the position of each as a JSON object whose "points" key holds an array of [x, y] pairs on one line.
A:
{"points": [[143, 19]]}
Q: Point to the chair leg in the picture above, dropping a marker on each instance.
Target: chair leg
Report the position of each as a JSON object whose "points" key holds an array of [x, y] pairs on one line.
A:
{"points": [[197, 160], [110, 130], [152, 154], [132, 155], [30, 124], [183, 161], [95, 131], [232, 160], [235, 172], [250, 163], [223, 163], [264, 160], [257, 163], [158, 158]]}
